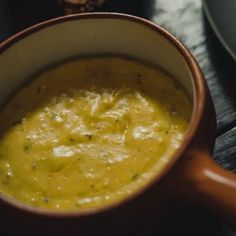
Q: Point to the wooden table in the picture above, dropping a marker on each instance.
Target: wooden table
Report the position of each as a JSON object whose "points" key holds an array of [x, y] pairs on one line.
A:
{"points": [[185, 19]]}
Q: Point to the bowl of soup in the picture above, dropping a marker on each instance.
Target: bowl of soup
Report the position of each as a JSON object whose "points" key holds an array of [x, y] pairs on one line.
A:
{"points": [[106, 123]]}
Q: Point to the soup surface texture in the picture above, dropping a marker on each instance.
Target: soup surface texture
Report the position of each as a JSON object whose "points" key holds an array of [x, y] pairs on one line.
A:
{"points": [[90, 132]]}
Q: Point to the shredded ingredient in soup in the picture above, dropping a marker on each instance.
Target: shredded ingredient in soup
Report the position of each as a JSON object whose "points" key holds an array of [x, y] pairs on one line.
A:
{"points": [[90, 132]]}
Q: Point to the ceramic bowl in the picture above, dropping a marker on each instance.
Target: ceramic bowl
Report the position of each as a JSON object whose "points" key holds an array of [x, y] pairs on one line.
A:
{"points": [[190, 175]]}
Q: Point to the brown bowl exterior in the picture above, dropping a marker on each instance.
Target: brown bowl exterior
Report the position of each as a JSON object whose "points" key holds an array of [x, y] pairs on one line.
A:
{"points": [[135, 217], [152, 204]]}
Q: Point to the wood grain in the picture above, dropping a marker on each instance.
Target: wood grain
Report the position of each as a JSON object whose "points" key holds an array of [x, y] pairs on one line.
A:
{"points": [[225, 150]]}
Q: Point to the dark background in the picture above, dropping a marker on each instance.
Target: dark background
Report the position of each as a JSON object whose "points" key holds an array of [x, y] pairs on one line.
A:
{"points": [[186, 20]]}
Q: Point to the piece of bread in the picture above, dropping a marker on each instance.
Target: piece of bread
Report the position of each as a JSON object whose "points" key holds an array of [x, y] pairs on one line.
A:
{"points": [[76, 6]]}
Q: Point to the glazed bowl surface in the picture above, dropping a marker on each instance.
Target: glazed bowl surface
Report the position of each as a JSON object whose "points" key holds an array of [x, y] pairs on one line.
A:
{"points": [[191, 174]]}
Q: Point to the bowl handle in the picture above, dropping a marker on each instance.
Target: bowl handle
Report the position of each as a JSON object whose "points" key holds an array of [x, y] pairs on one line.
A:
{"points": [[209, 184]]}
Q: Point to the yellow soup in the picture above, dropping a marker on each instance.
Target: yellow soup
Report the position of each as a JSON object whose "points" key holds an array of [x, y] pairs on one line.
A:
{"points": [[89, 133]]}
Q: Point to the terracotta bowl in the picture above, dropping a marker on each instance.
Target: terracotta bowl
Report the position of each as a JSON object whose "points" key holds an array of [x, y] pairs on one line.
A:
{"points": [[191, 174]]}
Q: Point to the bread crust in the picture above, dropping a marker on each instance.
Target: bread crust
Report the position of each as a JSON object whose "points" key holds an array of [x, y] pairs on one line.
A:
{"points": [[76, 6]]}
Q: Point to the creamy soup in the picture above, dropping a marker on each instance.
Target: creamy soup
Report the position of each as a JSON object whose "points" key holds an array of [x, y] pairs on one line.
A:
{"points": [[90, 132]]}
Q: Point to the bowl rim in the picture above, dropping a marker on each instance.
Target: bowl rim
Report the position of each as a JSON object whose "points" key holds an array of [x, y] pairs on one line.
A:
{"points": [[198, 109]]}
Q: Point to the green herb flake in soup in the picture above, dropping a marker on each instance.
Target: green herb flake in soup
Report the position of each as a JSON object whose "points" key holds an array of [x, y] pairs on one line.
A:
{"points": [[89, 133]]}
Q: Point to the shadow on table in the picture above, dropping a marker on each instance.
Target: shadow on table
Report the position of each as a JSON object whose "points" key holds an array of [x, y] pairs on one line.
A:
{"points": [[222, 62], [21, 14], [142, 8], [185, 222], [192, 221], [25, 13]]}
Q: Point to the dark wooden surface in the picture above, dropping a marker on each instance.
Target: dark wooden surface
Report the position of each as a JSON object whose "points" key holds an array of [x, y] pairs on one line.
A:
{"points": [[186, 20]]}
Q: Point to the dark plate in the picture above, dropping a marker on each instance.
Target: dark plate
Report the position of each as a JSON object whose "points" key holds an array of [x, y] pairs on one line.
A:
{"points": [[222, 17], [184, 19]]}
